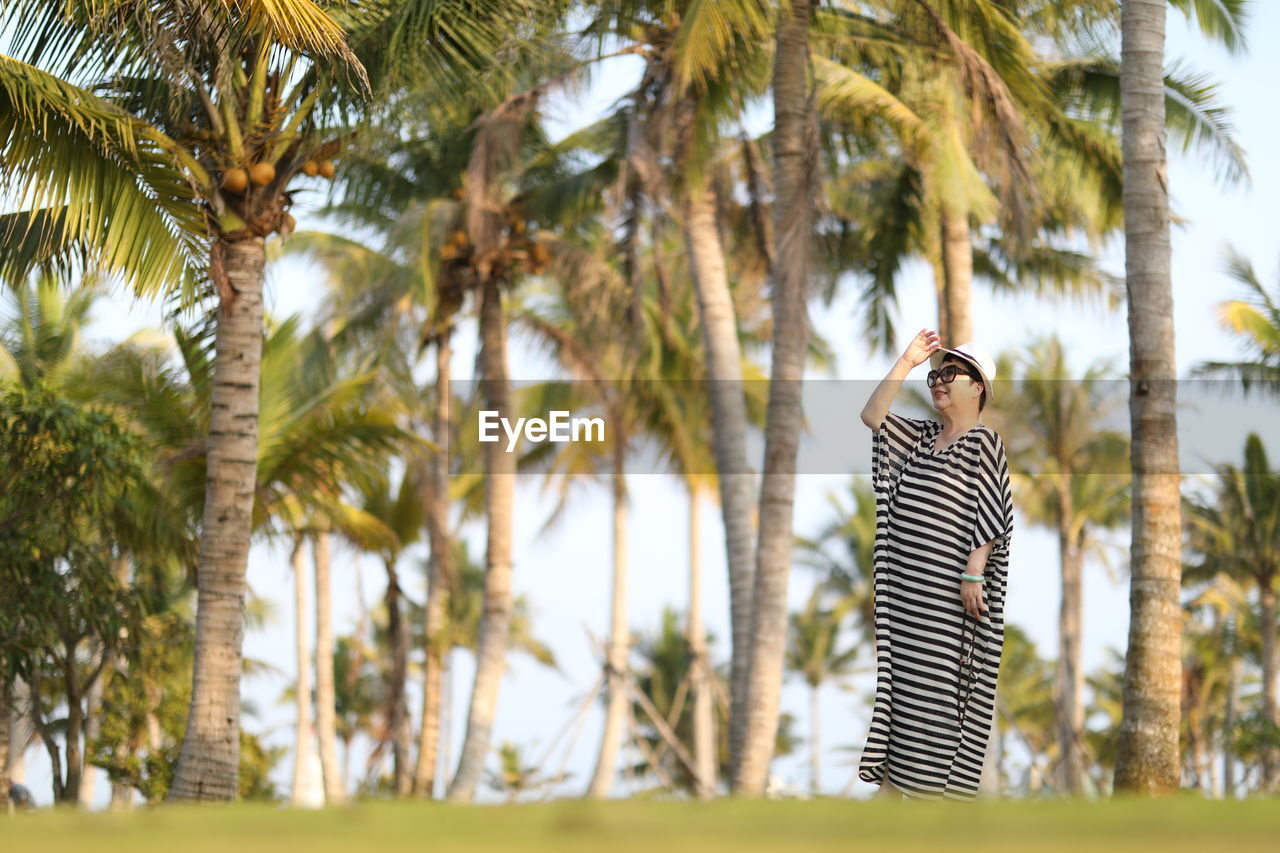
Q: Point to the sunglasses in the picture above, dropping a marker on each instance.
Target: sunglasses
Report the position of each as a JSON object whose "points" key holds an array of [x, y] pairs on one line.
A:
{"points": [[947, 373]]}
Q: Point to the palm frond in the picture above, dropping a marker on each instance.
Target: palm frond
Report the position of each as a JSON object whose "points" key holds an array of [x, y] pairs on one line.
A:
{"points": [[708, 33], [93, 185], [1222, 20]]}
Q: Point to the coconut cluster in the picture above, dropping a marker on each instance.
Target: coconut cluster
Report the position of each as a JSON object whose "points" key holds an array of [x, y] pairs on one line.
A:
{"points": [[237, 180]]}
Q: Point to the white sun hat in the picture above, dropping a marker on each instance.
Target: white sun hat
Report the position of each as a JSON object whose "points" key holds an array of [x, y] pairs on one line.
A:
{"points": [[975, 354]]}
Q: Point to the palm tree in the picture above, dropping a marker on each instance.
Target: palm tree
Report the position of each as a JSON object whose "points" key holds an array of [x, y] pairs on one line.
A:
{"points": [[796, 188], [701, 61], [1147, 760], [227, 108], [1207, 674], [1255, 321], [516, 777], [399, 510], [1026, 708], [628, 380], [305, 752], [397, 300], [326, 695], [813, 655], [841, 552], [664, 660], [1147, 749], [1070, 477], [937, 161], [1236, 533], [393, 303]]}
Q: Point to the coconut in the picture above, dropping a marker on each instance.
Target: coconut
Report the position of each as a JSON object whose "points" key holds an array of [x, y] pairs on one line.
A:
{"points": [[310, 168], [327, 169], [235, 180], [262, 174]]}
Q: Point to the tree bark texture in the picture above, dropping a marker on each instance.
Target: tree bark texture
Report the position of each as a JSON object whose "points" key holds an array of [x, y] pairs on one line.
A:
{"points": [[1147, 760], [441, 572], [495, 622], [209, 762], [718, 319], [795, 155]]}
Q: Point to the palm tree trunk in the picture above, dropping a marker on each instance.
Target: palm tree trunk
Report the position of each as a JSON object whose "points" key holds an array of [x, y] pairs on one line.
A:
{"points": [[1068, 675], [436, 503], [446, 713], [302, 781], [718, 319], [704, 737], [397, 705], [1229, 716], [795, 156], [940, 290], [209, 761], [326, 696], [619, 640], [302, 693], [495, 623], [1147, 746], [957, 264], [1211, 765], [815, 742], [1267, 614]]}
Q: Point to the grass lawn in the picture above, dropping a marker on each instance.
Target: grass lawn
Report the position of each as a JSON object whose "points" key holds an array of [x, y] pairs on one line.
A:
{"points": [[1184, 823]]}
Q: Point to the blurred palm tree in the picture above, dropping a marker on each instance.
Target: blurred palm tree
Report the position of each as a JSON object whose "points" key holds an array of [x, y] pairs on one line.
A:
{"points": [[1070, 474], [1207, 676], [915, 169], [161, 139], [1147, 746], [1255, 322], [663, 674], [814, 656], [1236, 533], [399, 510], [1026, 707], [841, 552], [515, 777], [701, 62]]}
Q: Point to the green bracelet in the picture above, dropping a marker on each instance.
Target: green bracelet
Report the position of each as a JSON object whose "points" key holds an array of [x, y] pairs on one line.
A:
{"points": [[977, 578]]}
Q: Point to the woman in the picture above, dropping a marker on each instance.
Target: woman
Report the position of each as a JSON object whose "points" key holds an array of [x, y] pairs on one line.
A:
{"points": [[944, 519]]}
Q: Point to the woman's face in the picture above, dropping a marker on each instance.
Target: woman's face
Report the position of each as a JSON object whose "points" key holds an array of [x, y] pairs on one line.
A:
{"points": [[960, 394]]}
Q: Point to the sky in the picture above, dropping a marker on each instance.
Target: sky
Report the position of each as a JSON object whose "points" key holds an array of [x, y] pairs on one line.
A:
{"points": [[565, 572]]}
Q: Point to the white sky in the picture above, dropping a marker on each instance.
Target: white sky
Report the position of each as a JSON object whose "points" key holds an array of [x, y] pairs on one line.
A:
{"points": [[566, 572]]}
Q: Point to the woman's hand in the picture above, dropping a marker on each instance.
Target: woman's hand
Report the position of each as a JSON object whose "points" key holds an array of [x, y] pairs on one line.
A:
{"points": [[971, 597], [924, 344]]}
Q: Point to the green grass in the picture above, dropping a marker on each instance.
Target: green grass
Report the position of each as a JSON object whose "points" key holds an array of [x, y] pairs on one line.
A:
{"points": [[1185, 823]]}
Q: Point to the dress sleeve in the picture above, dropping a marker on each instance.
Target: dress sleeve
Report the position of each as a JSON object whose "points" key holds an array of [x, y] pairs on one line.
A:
{"points": [[891, 446], [993, 497]]}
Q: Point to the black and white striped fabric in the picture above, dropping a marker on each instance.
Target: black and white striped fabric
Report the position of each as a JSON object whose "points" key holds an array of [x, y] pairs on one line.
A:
{"points": [[932, 510]]}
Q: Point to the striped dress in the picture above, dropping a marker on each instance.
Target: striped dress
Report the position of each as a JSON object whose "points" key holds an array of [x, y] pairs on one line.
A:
{"points": [[932, 715]]}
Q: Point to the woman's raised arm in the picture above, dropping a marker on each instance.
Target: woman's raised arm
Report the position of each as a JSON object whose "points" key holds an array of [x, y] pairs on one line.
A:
{"points": [[923, 345]]}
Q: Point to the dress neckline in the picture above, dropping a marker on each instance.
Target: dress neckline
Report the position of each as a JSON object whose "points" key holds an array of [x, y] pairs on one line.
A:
{"points": [[930, 441]]}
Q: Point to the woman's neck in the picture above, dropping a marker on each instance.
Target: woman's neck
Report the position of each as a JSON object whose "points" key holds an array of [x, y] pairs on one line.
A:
{"points": [[954, 424]]}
